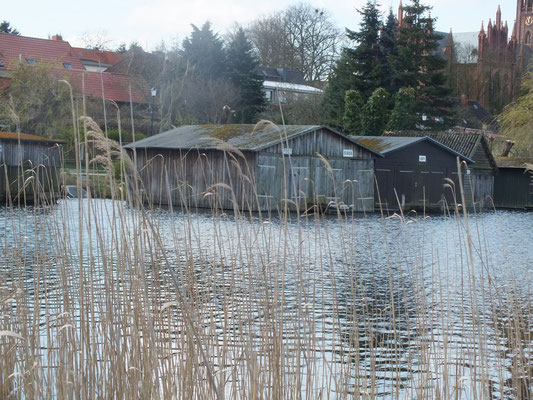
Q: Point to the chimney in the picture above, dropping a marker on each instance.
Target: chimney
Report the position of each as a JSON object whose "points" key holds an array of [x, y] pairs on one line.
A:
{"points": [[57, 38]]}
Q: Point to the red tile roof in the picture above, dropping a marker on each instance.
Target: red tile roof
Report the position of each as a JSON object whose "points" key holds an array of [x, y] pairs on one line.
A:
{"points": [[51, 52], [98, 56], [116, 86], [56, 52]]}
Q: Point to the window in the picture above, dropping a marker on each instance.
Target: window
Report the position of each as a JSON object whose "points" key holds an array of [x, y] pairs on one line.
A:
{"points": [[1, 64], [268, 95], [528, 37], [67, 65], [31, 61]]}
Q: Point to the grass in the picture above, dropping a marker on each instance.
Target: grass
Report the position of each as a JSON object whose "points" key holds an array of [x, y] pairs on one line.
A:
{"points": [[120, 298]]}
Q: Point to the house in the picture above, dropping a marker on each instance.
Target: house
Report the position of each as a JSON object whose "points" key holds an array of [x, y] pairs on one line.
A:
{"points": [[23, 156], [69, 63], [472, 144], [285, 86], [255, 167], [513, 186], [413, 172], [97, 60]]}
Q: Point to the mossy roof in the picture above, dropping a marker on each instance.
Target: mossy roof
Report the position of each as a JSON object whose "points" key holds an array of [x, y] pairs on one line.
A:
{"points": [[27, 137], [241, 136], [387, 144]]}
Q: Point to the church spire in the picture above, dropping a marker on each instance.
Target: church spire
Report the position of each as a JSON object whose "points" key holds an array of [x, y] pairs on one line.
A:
{"points": [[400, 14], [499, 17]]}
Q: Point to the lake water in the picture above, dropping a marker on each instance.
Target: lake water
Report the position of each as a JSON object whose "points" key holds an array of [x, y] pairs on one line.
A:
{"points": [[352, 306]]}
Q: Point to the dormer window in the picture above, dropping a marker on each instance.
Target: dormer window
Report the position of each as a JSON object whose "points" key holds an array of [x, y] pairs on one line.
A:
{"points": [[67, 65], [31, 61]]}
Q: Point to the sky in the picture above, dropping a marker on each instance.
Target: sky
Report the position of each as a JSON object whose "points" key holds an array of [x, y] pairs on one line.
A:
{"points": [[149, 23]]}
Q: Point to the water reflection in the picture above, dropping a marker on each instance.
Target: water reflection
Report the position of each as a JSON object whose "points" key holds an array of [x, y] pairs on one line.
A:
{"points": [[385, 305]]}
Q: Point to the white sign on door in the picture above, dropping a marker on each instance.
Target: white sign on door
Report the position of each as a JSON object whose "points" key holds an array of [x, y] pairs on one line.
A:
{"points": [[348, 153]]}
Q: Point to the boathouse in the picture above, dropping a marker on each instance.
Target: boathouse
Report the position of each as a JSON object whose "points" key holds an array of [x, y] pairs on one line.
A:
{"points": [[479, 180], [29, 167], [513, 186], [255, 167], [413, 172]]}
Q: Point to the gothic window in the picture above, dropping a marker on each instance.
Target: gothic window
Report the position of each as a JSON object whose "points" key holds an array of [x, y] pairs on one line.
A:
{"points": [[528, 37]]}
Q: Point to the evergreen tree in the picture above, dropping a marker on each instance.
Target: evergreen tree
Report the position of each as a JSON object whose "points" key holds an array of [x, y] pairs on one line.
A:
{"points": [[5, 27], [403, 115], [241, 64], [376, 113], [419, 65], [204, 52], [340, 81], [389, 49], [353, 112], [367, 59], [364, 67]]}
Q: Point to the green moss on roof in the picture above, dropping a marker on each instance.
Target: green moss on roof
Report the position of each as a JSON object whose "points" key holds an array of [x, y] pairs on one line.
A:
{"points": [[225, 132], [374, 144]]}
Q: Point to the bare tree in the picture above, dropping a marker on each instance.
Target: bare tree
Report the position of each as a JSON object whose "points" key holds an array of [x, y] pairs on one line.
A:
{"points": [[301, 38]]}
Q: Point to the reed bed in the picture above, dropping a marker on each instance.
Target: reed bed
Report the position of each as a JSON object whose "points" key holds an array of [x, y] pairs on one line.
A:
{"points": [[121, 298]]}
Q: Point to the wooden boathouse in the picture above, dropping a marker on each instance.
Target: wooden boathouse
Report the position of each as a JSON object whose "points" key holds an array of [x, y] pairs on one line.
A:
{"points": [[513, 186], [412, 173], [29, 167], [255, 167], [479, 181]]}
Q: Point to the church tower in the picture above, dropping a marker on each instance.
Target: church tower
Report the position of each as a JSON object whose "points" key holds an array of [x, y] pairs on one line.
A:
{"points": [[524, 22]]}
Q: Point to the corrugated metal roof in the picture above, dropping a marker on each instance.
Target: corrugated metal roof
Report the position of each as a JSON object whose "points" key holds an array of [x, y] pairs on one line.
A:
{"points": [[241, 136], [26, 137], [387, 144]]}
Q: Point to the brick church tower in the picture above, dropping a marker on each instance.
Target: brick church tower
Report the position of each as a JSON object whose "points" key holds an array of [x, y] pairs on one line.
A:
{"points": [[498, 66], [524, 22]]}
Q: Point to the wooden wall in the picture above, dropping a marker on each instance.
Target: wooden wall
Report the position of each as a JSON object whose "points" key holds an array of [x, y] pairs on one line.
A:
{"points": [[263, 180], [513, 188], [30, 171], [193, 178], [402, 179]]}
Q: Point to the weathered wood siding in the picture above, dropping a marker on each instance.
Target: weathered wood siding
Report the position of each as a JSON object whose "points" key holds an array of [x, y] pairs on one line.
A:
{"points": [[30, 169], [321, 141], [306, 180], [203, 179], [262, 180]]}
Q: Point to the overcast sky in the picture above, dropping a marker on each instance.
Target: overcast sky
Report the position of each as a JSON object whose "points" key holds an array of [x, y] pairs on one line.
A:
{"points": [[149, 22]]}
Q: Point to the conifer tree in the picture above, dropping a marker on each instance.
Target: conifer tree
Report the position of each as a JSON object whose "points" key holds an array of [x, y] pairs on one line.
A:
{"points": [[353, 112], [366, 58], [241, 64], [419, 65], [403, 115], [376, 113], [204, 52]]}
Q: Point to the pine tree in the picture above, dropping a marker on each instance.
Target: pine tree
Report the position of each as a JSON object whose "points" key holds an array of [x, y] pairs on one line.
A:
{"points": [[387, 42], [376, 113], [363, 67], [241, 64], [5, 27], [204, 52], [367, 59], [353, 112], [419, 65]]}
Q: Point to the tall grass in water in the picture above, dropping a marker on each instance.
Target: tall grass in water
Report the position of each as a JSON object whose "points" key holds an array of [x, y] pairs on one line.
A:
{"points": [[121, 299]]}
